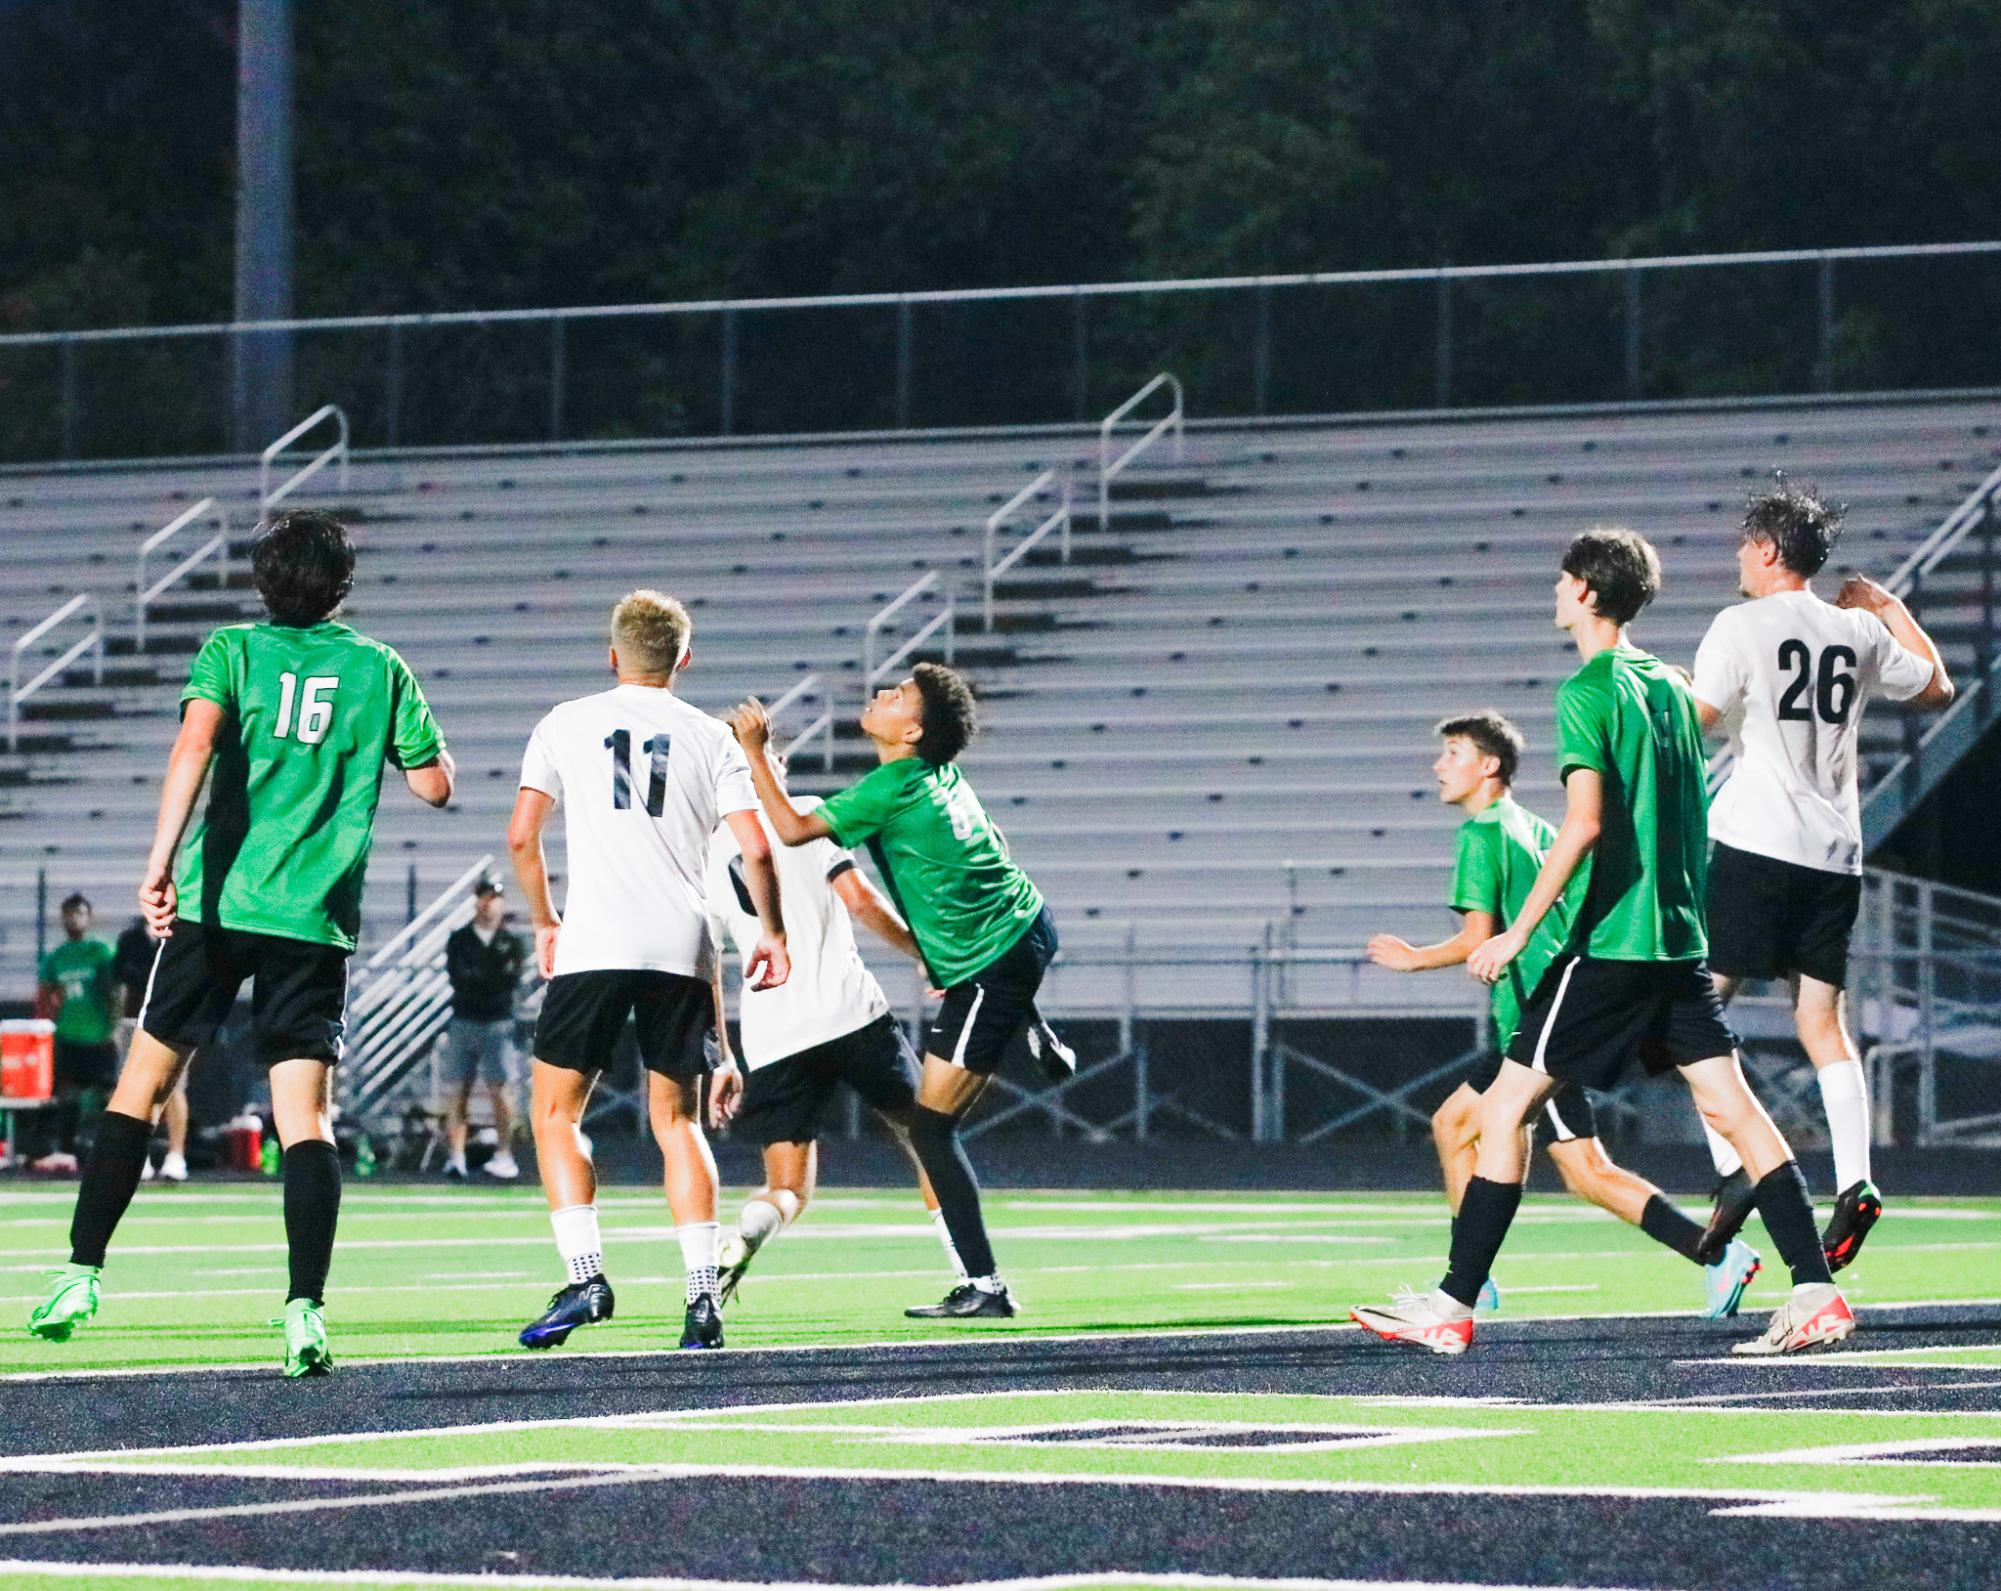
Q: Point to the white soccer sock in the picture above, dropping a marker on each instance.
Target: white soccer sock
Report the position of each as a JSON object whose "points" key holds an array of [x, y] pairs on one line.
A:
{"points": [[945, 1237], [1844, 1092], [578, 1242], [1728, 1161], [764, 1216], [698, 1256]]}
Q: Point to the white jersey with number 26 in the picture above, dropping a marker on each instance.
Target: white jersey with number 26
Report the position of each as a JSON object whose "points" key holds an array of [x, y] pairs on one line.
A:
{"points": [[1791, 674], [643, 780]]}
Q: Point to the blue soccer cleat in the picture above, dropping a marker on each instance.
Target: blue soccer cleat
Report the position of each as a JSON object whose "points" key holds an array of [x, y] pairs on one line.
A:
{"points": [[579, 1304], [1490, 1295], [1724, 1282]]}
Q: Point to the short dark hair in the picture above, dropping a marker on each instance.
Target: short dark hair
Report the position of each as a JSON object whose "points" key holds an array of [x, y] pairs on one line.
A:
{"points": [[303, 567], [78, 899], [1492, 733], [951, 717], [1621, 569], [1796, 522]]}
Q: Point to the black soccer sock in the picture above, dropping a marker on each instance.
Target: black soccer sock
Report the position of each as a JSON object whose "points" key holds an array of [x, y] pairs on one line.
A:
{"points": [[312, 1208], [1663, 1223], [111, 1173], [1787, 1212], [1485, 1214], [935, 1137]]}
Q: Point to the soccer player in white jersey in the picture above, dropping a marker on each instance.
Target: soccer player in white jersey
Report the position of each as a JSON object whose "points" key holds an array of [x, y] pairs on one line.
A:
{"points": [[644, 780], [1789, 675], [827, 1024]]}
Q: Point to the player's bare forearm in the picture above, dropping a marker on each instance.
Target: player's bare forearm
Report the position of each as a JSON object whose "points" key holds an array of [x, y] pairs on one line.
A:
{"points": [[434, 781], [1574, 842], [187, 767], [1859, 591], [1475, 929], [872, 909], [790, 824], [524, 849]]}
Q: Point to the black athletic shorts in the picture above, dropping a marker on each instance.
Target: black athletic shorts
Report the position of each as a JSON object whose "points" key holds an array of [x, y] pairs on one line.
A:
{"points": [[786, 1101], [1768, 919], [981, 1016], [85, 1065], [1589, 1020], [298, 991], [1567, 1114], [584, 1012]]}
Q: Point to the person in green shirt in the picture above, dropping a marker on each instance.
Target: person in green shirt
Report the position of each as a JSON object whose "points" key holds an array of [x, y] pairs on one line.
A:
{"points": [[1631, 982], [76, 984], [291, 722], [978, 919], [1499, 850]]}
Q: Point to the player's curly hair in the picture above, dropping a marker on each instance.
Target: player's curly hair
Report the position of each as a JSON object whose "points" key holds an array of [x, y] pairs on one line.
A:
{"points": [[303, 567], [951, 717], [1795, 521], [1492, 733], [1621, 569], [651, 630]]}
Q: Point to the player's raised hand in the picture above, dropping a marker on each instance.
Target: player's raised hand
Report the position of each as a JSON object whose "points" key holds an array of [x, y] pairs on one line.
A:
{"points": [[752, 724], [1386, 950], [770, 963], [725, 1092], [1859, 591], [545, 948], [1491, 959], [158, 903]]}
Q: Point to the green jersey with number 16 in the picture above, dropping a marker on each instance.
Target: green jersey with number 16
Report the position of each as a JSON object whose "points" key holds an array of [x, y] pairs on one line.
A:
{"points": [[311, 715]]}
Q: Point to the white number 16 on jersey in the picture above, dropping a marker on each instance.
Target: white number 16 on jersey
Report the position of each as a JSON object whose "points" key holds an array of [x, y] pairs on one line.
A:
{"points": [[315, 708]]}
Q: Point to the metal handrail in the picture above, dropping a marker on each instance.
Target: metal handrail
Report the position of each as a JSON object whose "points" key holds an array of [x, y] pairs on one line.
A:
{"points": [[18, 693], [1000, 516], [217, 544], [947, 617], [1108, 467], [267, 495], [426, 919], [822, 725], [1942, 542]]}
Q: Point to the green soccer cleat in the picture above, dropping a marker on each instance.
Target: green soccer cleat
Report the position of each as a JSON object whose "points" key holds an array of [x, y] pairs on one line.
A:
{"points": [[71, 1302], [306, 1351]]}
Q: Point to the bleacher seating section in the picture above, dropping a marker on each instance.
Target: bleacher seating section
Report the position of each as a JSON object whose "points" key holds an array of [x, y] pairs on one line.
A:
{"points": [[1215, 717]]}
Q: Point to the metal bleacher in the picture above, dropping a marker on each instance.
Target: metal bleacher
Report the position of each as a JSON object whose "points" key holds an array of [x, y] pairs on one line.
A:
{"points": [[1213, 718]]}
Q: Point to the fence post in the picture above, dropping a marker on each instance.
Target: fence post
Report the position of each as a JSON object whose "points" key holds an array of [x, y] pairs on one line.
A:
{"points": [[41, 914], [1986, 653], [1080, 354], [392, 387], [1442, 374], [558, 340], [729, 372], [905, 332], [1927, 1015], [1261, 354], [1260, 1039], [410, 896], [1823, 365], [1632, 332], [67, 367]]}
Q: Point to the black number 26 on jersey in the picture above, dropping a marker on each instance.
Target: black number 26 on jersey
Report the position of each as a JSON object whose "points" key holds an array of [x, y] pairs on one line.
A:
{"points": [[1830, 683], [619, 742]]}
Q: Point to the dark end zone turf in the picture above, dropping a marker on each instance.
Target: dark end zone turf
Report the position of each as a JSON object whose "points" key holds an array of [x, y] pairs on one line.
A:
{"points": [[922, 1529]]}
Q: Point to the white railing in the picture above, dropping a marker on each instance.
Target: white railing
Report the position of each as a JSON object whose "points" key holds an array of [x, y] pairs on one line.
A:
{"points": [[1110, 468], [946, 618], [998, 519], [17, 693], [1942, 542], [269, 496], [217, 544], [808, 689]]}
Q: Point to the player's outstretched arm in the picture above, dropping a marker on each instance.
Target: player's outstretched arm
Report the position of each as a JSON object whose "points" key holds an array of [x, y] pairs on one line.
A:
{"points": [[1583, 817], [434, 782], [531, 871], [1475, 929], [770, 963], [753, 732], [1859, 591], [187, 767], [875, 912]]}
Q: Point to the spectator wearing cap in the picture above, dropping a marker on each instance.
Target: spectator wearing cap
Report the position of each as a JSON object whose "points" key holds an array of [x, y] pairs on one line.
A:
{"points": [[484, 962]]}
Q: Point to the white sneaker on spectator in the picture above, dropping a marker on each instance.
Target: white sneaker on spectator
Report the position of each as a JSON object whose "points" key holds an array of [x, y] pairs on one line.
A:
{"points": [[502, 1167], [174, 1168]]}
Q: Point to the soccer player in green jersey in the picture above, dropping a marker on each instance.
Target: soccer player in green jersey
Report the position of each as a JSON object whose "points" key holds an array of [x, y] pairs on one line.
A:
{"points": [[292, 721], [1632, 982], [979, 920], [77, 984], [1500, 849]]}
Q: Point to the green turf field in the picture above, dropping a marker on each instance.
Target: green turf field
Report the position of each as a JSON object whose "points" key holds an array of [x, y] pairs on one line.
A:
{"points": [[424, 1271]]}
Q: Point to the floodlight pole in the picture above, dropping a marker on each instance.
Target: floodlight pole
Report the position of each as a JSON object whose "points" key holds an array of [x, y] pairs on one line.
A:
{"points": [[261, 362]]}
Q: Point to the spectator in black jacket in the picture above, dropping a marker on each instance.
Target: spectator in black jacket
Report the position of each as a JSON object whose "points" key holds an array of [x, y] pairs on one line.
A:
{"points": [[484, 962]]}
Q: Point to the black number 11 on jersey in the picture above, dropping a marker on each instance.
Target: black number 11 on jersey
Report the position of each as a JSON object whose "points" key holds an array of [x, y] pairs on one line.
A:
{"points": [[619, 743]]}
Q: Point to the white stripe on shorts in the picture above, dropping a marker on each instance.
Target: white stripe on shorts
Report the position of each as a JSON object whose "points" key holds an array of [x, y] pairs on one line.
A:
{"points": [[1549, 1020], [146, 999], [966, 1032]]}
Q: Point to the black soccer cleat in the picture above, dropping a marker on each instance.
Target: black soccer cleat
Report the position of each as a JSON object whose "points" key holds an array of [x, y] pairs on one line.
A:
{"points": [[967, 1302], [1057, 1060], [1734, 1204], [703, 1325], [1858, 1209], [579, 1304]]}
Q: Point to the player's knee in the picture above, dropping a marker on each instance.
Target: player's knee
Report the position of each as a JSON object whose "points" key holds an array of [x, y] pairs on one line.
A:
{"points": [[933, 1132]]}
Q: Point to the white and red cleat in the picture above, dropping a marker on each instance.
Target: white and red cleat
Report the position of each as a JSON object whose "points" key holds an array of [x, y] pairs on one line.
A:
{"points": [[1430, 1321], [1816, 1316]]}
